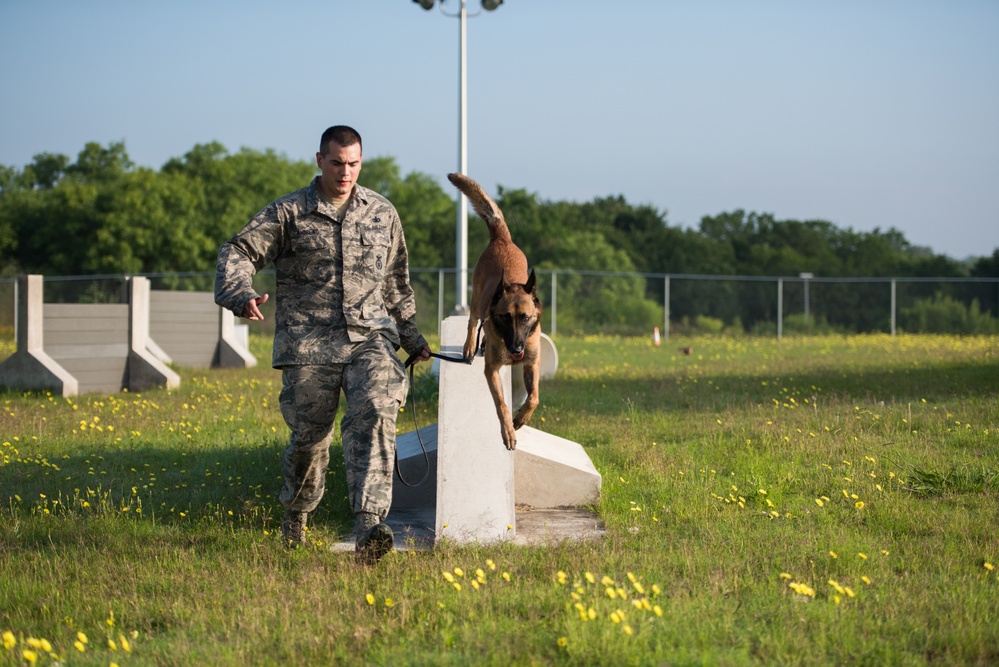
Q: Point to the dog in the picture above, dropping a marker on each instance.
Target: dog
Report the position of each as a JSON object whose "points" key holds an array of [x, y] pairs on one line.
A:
{"points": [[505, 300]]}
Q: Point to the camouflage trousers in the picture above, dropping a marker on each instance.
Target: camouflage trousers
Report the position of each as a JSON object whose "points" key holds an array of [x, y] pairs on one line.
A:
{"points": [[374, 384]]}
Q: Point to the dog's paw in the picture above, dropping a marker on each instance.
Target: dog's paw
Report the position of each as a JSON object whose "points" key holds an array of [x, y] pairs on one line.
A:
{"points": [[510, 438], [523, 416], [468, 351]]}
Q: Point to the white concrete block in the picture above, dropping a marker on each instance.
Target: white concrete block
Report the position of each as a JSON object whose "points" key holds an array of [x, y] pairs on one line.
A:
{"points": [[475, 483]]}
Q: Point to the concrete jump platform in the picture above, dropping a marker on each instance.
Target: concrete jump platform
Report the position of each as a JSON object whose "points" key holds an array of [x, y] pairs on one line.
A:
{"points": [[549, 472], [462, 485]]}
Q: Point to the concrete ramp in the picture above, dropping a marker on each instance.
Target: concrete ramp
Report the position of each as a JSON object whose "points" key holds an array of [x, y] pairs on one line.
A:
{"points": [[552, 472]]}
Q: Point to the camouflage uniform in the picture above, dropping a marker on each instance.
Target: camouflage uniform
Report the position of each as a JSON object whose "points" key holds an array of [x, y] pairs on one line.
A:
{"points": [[344, 305]]}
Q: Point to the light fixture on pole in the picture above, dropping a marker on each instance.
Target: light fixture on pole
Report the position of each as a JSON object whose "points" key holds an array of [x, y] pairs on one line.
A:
{"points": [[461, 237]]}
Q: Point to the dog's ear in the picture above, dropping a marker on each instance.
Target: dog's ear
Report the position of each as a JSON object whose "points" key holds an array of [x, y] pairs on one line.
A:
{"points": [[531, 286], [501, 286]]}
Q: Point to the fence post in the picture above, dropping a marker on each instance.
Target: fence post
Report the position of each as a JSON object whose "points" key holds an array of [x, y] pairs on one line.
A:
{"points": [[780, 308], [666, 308], [554, 299], [893, 307], [440, 299], [17, 296]]}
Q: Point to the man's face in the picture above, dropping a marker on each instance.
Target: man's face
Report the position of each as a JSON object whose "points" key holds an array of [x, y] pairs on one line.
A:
{"points": [[340, 168]]}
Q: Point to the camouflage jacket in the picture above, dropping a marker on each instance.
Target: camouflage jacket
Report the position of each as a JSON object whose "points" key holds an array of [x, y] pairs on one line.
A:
{"points": [[337, 283]]}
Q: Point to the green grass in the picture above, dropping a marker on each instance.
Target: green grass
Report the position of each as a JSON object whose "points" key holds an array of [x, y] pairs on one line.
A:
{"points": [[812, 501]]}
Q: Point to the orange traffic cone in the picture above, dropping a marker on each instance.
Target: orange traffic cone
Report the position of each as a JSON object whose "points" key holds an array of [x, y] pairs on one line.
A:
{"points": [[655, 336]]}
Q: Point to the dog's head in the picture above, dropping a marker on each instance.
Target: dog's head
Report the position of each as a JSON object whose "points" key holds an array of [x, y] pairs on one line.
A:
{"points": [[515, 313]]}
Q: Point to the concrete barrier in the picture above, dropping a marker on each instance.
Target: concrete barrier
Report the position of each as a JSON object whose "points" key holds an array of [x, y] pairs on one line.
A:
{"points": [[475, 488], [80, 348], [189, 329], [475, 500], [31, 367]]}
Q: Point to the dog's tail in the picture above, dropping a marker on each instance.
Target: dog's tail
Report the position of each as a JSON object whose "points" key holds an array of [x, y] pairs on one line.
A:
{"points": [[483, 205]]}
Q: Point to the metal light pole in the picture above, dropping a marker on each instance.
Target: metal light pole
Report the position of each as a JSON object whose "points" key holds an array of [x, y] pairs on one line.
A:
{"points": [[461, 236]]}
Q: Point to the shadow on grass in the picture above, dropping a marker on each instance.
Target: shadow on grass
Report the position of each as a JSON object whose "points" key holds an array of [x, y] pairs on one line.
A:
{"points": [[232, 486]]}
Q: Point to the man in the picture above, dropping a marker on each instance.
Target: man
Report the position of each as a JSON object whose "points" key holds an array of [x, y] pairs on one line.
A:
{"points": [[344, 306]]}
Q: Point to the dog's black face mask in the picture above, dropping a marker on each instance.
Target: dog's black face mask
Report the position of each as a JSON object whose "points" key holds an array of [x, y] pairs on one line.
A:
{"points": [[516, 313]]}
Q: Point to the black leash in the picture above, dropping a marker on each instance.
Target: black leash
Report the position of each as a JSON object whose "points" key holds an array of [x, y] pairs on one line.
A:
{"points": [[410, 364]]}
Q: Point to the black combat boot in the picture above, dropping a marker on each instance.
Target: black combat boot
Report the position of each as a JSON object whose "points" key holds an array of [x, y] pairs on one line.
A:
{"points": [[374, 538], [293, 528]]}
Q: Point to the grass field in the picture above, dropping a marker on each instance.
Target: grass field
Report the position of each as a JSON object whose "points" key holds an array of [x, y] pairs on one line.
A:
{"points": [[815, 501]]}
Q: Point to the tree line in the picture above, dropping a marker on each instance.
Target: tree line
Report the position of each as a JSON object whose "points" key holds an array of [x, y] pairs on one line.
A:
{"points": [[102, 214]]}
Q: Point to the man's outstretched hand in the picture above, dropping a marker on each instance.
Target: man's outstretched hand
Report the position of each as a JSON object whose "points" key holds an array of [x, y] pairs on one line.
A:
{"points": [[252, 311]]}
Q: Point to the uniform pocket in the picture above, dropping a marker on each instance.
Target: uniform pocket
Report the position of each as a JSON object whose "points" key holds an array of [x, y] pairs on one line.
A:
{"points": [[375, 243]]}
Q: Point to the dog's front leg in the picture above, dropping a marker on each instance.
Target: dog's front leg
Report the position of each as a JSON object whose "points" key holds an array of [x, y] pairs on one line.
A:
{"points": [[468, 351], [506, 424], [531, 374]]}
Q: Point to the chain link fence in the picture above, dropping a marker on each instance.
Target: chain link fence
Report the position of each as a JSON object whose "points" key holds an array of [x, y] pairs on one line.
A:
{"points": [[604, 302]]}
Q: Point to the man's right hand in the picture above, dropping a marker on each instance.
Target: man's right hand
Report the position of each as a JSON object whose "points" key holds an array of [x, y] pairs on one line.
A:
{"points": [[251, 311]]}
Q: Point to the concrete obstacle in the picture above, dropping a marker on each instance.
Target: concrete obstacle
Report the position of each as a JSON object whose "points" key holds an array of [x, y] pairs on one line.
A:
{"points": [[80, 348], [477, 490], [189, 329], [73, 348], [31, 367]]}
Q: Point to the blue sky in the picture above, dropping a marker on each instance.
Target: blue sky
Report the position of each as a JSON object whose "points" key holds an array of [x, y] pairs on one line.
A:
{"points": [[875, 113]]}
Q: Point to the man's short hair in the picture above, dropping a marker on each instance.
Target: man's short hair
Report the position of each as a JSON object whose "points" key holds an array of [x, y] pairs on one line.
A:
{"points": [[342, 135]]}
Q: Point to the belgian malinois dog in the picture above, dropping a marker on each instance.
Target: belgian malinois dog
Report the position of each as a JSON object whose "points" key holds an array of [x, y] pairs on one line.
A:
{"points": [[505, 300]]}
